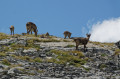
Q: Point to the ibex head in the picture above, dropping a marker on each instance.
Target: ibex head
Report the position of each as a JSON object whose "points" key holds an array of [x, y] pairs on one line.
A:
{"points": [[88, 35]]}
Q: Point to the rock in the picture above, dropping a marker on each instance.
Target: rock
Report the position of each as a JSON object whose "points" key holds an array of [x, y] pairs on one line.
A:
{"points": [[29, 77], [100, 65], [118, 44], [22, 42], [12, 71], [4, 42], [2, 66], [19, 52], [8, 41], [5, 77], [30, 50], [33, 72], [117, 77], [11, 59], [15, 71], [1, 70]]}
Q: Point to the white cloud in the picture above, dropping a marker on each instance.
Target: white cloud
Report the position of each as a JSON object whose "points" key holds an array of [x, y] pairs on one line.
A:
{"points": [[106, 31]]}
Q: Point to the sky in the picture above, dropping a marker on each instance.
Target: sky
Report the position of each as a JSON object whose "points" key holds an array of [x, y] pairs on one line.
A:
{"points": [[56, 16]]}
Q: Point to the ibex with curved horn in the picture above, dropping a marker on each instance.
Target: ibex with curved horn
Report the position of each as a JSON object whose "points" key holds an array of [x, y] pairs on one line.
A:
{"points": [[82, 41]]}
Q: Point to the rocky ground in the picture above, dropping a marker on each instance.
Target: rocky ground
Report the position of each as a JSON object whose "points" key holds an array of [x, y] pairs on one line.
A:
{"points": [[28, 57]]}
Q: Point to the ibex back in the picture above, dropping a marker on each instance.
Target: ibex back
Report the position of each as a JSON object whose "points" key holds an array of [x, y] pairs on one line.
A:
{"points": [[82, 41], [67, 33]]}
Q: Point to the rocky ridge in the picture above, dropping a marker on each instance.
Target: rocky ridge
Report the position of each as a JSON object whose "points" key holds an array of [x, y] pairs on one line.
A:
{"points": [[25, 57]]}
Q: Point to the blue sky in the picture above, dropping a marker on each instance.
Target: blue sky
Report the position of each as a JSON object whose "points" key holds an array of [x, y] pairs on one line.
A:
{"points": [[56, 16]]}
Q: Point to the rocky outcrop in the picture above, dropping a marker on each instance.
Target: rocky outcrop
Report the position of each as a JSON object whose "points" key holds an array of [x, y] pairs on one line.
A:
{"points": [[27, 64]]}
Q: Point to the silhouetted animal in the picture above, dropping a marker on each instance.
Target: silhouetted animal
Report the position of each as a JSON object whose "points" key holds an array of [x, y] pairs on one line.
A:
{"points": [[31, 27], [67, 33], [47, 34], [82, 41], [28, 29], [12, 30], [24, 34]]}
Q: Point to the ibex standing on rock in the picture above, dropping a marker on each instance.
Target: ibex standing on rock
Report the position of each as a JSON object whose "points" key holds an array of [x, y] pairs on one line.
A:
{"points": [[12, 30], [31, 27], [67, 33], [82, 41]]}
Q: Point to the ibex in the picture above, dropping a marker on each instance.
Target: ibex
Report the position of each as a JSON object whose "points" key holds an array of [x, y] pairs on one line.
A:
{"points": [[28, 29], [67, 33], [47, 35], [82, 41], [12, 30], [24, 34], [31, 27]]}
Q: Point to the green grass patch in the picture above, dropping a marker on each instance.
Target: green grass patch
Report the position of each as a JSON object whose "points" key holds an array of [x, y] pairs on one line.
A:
{"points": [[2, 54], [102, 66], [65, 40], [15, 65], [87, 69], [4, 36], [6, 62], [38, 59], [64, 57], [103, 55], [79, 54], [117, 52], [102, 44], [40, 71], [30, 35], [14, 46], [26, 58], [30, 44], [46, 40], [69, 46]]}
